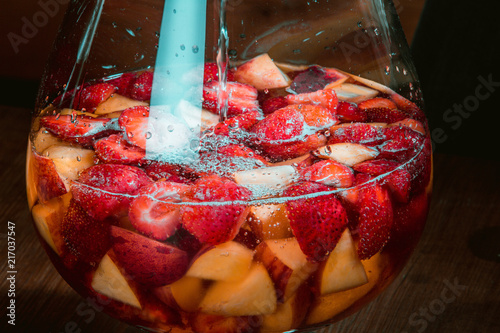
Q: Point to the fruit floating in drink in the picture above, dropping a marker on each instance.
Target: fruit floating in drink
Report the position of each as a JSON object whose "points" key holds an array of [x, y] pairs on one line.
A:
{"points": [[302, 205]]}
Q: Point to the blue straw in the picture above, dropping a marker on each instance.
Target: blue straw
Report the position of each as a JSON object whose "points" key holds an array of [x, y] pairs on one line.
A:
{"points": [[176, 97]]}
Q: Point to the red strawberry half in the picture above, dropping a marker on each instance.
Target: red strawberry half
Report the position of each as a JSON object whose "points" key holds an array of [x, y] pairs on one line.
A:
{"points": [[90, 97], [242, 97], [360, 133], [134, 121], [115, 149], [316, 221], [106, 190], [238, 126], [214, 218], [274, 103], [348, 112], [77, 129], [211, 73], [375, 220], [152, 212], [326, 98], [140, 89], [402, 143], [47, 180], [85, 237], [384, 115], [329, 173]]}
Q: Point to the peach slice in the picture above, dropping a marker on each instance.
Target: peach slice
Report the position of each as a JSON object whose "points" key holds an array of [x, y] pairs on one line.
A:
{"points": [[228, 261], [269, 221], [253, 295], [185, 294], [262, 73], [347, 153], [117, 103], [207, 323], [48, 217], [65, 112], [43, 139], [109, 281], [69, 161], [327, 306], [289, 314], [354, 93], [44, 177], [342, 269], [286, 264]]}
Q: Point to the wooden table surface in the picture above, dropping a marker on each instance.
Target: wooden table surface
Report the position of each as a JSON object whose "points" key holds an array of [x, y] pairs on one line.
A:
{"points": [[451, 284]]}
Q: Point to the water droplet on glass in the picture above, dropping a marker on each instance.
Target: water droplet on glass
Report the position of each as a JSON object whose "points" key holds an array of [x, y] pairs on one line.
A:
{"points": [[376, 31], [170, 128], [78, 158], [405, 72], [296, 51], [157, 34], [175, 11], [148, 135], [387, 70], [243, 36], [114, 24], [360, 24], [183, 47], [195, 48]]}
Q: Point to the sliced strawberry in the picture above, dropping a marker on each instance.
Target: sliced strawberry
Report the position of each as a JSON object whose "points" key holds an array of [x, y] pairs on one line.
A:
{"points": [[123, 83], [420, 167], [329, 173], [283, 125], [214, 218], [402, 143], [115, 149], [314, 78], [399, 183], [377, 103], [376, 167], [316, 221], [315, 116], [211, 73], [415, 125], [348, 112], [326, 98], [106, 190], [242, 97], [91, 96], [171, 172], [274, 103], [360, 133], [298, 148], [238, 126], [152, 213], [48, 183], [375, 220], [244, 152], [384, 115], [134, 121], [408, 107], [78, 129], [85, 237], [141, 87], [409, 221]]}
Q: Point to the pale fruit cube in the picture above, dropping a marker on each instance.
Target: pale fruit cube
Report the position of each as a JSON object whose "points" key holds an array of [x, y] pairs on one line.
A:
{"points": [[43, 139], [109, 281], [346, 153], [286, 263], [354, 92], [185, 293], [327, 306], [268, 180], [342, 269], [269, 221], [117, 103], [48, 217], [228, 261], [262, 73], [253, 295]]}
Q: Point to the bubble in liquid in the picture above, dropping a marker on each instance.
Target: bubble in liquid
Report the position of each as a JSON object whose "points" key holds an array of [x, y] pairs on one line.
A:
{"points": [[78, 158], [360, 24], [175, 11], [148, 135], [376, 31], [170, 128], [196, 49], [183, 47], [114, 25]]}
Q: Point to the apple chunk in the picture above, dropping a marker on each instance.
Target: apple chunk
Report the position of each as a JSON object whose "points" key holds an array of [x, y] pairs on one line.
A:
{"points": [[286, 264], [253, 295], [117, 103], [342, 269], [290, 314], [48, 217], [269, 221], [109, 281], [185, 293], [228, 261], [148, 261], [262, 73], [327, 306]]}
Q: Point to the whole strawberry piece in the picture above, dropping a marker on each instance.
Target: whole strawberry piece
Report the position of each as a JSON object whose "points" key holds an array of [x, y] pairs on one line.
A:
{"points": [[106, 190], [81, 130], [134, 121], [89, 98], [141, 87], [214, 217], [115, 149], [375, 220], [317, 221], [152, 212], [85, 237]]}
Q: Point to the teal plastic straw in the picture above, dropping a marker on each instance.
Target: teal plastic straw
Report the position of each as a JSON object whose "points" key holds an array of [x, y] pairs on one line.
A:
{"points": [[176, 97]]}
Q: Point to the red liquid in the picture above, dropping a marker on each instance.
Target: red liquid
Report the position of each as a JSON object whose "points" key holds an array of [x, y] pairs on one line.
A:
{"points": [[222, 244]]}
